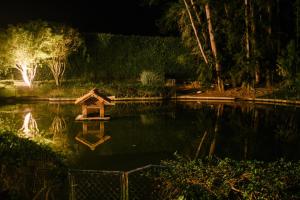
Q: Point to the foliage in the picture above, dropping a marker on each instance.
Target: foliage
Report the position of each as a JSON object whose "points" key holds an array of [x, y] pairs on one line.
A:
{"points": [[152, 78], [26, 43], [63, 41], [108, 57], [3, 69], [18, 151], [16, 155], [25, 47], [288, 63], [260, 24], [229, 179], [205, 74], [77, 88], [176, 15]]}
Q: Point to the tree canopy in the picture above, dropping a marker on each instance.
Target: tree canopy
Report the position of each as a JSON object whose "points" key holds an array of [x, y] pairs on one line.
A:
{"points": [[27, 46], [254, 39], [63, 41]]}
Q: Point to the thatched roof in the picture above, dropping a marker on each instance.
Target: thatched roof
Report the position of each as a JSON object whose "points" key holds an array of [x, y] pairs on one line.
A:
{"points": [[93, 94]]}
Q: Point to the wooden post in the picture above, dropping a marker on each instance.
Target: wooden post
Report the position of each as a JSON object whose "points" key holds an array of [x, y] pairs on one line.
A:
{"points": [[101, 129], [84, 128], [84, 111], [102, 110]]}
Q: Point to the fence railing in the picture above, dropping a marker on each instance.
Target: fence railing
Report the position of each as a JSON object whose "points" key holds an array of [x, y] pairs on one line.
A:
{"points": [[124, 185]]}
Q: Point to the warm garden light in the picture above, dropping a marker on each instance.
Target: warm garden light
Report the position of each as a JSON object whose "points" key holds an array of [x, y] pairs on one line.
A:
{"points": [[24, 74], [27, 73], [29, 128], [38, 44]]}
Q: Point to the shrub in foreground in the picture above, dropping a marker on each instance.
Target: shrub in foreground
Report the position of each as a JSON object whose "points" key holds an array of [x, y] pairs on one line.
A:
{"points": [[25, 164], [229, 179]]}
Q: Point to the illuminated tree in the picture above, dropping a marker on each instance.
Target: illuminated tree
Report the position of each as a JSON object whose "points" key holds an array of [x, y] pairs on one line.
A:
{"points": [[25, 47], [62, 43]]}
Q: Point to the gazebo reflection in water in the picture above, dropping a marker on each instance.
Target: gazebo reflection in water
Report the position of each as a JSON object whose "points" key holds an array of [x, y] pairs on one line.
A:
{"points": [[92, 134]]}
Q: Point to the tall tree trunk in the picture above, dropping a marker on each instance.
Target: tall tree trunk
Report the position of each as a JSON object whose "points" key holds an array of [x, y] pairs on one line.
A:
{"points": [[253, 42], [297, 23], [278, 27], [214, 48], [200, 21], [247, 30], [57, 67], [195, 32], [269, 33]]}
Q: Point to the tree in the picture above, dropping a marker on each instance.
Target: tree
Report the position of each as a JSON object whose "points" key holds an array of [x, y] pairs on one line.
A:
{"points": [[3, 68], [212, 42], [195, 30], [64, 40], [214, 47], [25, 47]]}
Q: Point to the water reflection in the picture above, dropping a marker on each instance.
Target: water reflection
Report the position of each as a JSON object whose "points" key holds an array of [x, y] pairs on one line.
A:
{"points": [[58, 127], [92, 134], [29, 128], [59, 132], [238, 131], [147, 133]]}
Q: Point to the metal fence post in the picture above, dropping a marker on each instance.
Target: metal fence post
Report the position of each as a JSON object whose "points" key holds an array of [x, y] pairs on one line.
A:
{"points": [[71, 187], [124, 186]]}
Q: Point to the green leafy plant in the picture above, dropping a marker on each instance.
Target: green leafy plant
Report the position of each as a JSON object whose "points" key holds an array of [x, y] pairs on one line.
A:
{"points": [[212, 178], [17, 156], [152, 78]]}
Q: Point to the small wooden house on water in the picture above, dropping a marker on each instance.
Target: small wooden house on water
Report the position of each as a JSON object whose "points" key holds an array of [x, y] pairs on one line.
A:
{"points": [[92, 105]]}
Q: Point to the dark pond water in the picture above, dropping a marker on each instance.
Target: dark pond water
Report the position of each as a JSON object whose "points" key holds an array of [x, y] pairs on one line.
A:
{"points": [[144, 133]]}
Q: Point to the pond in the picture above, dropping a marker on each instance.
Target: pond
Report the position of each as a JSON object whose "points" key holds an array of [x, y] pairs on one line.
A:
{"points": [[143, 133]]}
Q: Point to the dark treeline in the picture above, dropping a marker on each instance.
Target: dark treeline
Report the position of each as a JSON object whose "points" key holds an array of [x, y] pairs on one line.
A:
{"points": [[246, 42], [243, 43]]}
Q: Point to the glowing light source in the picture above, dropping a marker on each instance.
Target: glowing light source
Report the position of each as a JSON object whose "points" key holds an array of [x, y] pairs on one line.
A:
{"points": [[29, 127], [25, 75], [28, 73]]}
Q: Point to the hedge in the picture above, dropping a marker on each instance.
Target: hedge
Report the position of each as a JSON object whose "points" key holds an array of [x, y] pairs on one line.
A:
{"points": [[107, 57]]}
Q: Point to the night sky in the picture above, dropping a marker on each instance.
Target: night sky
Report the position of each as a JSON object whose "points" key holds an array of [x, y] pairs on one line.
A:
{"points": [[117, 16]]}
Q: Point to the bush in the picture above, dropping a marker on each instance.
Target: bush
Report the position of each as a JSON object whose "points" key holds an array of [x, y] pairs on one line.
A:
{"points": [[77, 88], [17, 151], [152, 78], [21, 161], [229, 179], [110, 57]]}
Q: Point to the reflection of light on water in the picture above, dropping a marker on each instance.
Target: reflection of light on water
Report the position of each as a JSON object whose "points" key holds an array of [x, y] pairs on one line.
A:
{"points": [[29, 127], [58, 126], [58, 129]]}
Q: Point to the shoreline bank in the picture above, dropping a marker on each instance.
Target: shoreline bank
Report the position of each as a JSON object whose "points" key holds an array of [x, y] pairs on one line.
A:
{"points": [[177, 98]]}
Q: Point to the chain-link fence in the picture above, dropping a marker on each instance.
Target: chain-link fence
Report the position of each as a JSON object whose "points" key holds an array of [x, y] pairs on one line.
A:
{"points": [[134, 185], [92, 184]]}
